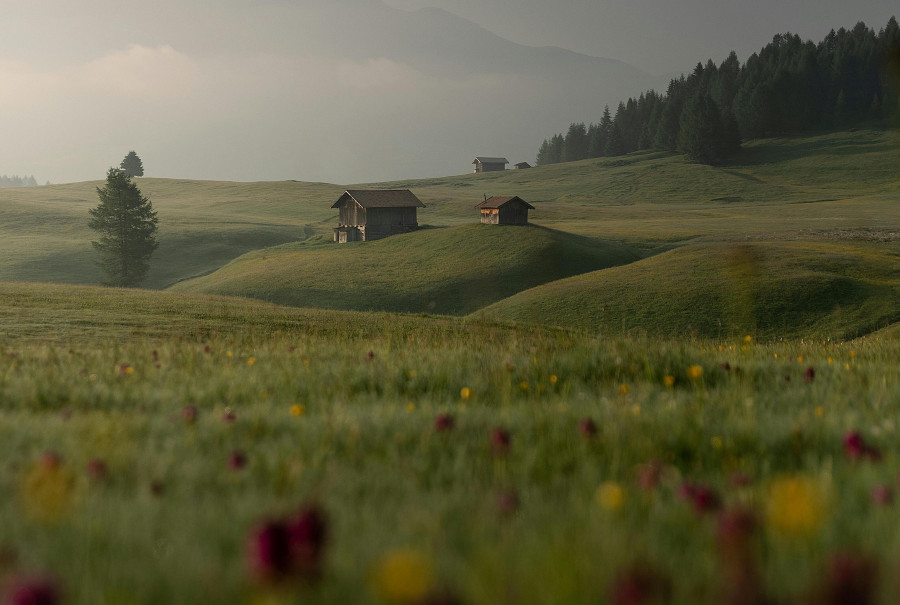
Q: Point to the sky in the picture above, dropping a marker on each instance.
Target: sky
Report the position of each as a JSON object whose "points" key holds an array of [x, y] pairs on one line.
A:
{"points": [[346, 91]]}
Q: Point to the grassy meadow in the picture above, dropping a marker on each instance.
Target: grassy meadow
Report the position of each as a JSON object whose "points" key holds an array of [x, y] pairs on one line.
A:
{"points": [[339, 408], [680, 385]]}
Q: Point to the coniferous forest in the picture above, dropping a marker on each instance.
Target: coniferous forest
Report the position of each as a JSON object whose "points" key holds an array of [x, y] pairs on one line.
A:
{"points": [[789, 87]]}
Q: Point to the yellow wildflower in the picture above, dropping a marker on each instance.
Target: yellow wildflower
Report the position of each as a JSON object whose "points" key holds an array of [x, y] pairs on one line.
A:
{"points": [[694, 372], [623, 389], [465, 392], [820, 411], [553, 379], [524, 386], [610, 496], [410, 407], [748, 338], [796, 505], [403, 576], [251, 361], [297, 410], [669, 381]]}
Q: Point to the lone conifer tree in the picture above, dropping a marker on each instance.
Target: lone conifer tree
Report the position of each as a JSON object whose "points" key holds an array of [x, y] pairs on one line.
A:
{"points": [[132, 165], [127, 225]]}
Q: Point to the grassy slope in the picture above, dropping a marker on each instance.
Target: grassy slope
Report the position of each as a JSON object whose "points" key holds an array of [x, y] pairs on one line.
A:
{"points": [[452, 271], [772, 289], [648, 200]]}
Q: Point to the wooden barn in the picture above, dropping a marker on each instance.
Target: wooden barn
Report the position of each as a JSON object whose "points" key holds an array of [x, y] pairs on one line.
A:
{"points": [[504, 210], [484, 164], [522, 165], [370, 214]]}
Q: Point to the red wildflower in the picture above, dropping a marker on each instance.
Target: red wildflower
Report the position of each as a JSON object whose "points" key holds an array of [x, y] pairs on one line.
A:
{"points": [[237, 460], [639, 584], [588, 428], [500, 441], [32, 591], [444, 423], [809, 376], [704, 499]]}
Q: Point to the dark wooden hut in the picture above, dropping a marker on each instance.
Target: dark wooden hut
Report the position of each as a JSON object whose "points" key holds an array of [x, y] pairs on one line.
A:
{"points": [[485, 164], [522, 165], [370, 214], [504, 210]]}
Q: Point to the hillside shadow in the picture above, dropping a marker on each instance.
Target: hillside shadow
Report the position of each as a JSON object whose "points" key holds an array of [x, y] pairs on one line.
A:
{"points": [[782, 150]]}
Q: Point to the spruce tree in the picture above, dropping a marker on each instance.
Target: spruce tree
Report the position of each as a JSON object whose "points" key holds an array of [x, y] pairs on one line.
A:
{"points": [[701, 133], [126, 223], [132, 165]]}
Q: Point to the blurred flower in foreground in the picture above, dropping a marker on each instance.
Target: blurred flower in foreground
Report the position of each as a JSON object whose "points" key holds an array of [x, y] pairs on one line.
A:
{"points": [[403, 576], [587, 427], [694, 372], [443, 423], [640, 584], [48, 490], [293, 549], [796, 505], [32, 591], [610, 496], [850, 578], [704, 499], [856, 448]]}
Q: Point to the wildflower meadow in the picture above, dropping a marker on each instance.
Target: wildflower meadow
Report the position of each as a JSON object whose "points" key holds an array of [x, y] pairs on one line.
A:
{"points": [[247, 456]]}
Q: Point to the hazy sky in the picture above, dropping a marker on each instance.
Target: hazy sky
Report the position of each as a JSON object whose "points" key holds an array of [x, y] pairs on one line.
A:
{"points": [[346, 91]]}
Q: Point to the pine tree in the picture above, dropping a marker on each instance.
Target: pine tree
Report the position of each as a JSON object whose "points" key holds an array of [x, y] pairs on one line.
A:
{"points": [[132, 165], [701, 133], [127, 225]]}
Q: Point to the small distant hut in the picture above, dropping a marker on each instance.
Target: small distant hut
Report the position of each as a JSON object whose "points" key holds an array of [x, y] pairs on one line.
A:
{"points": [[522, 165], [485, 164], [370, 214], [504, 210]]}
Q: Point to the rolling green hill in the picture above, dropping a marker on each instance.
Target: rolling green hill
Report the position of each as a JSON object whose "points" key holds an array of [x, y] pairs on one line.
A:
{"points": [[451, 271], [821, 289], [779, 188]]}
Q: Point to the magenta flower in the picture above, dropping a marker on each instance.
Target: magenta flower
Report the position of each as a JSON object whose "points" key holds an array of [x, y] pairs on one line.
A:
{"points": [[33, 591], [856, 448], [500, 441], [237, 460], [308, 536], [704, 499], [444, 423], [588, 428], [269, 551]]}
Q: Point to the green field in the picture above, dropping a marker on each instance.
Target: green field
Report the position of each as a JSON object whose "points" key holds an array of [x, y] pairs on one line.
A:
{"points": [[732, 335], [407, 505]]}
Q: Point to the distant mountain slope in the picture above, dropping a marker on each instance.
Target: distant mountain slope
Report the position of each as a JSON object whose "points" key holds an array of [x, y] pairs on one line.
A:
{"points": [[450, 271], [771, 289]]}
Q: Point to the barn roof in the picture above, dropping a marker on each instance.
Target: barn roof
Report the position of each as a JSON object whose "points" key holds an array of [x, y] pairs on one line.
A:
{"points": [[501, 200], [480, 159], [382, 198]]}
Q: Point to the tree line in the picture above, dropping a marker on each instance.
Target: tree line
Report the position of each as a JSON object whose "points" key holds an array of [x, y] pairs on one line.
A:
{"points": [[17, 181], [789, 87]]}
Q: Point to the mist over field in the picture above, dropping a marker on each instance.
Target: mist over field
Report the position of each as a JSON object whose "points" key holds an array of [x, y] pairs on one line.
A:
{"points": [[344, 92]]}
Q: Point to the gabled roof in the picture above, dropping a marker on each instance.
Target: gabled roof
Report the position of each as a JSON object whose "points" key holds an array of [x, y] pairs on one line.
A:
{"points": [[523, 165], [486, 160], [501, 200], [381, 198]]}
